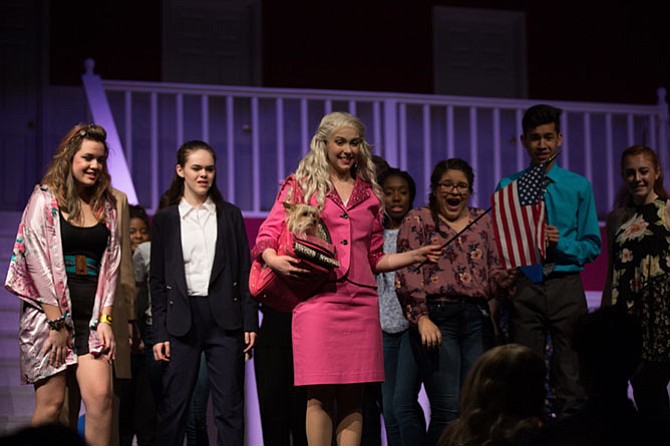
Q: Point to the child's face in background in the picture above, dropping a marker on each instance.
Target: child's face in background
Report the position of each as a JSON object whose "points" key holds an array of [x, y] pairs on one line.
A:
{"points": [[396, 198], [139, 232]]}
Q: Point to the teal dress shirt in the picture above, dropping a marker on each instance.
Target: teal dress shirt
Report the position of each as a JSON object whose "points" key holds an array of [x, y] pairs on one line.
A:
{"points": [[570, 206]]}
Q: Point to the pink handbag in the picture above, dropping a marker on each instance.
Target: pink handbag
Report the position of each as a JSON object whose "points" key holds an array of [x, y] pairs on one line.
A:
{"points": [[282, 293]]}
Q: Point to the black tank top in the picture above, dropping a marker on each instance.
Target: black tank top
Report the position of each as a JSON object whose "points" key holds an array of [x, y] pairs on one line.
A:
{"points": [[89, 241]]}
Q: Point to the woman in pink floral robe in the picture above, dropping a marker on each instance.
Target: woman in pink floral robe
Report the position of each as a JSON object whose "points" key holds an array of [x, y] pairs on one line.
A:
{"points": [[64, 268]]}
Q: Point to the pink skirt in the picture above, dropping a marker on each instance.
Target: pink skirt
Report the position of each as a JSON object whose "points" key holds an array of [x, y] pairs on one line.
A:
{"points": [[337, 337]]}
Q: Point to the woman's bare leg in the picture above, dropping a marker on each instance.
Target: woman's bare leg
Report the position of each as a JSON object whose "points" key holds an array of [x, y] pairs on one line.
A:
{"points": [[94, 378], [321, 403], [349, 415], [49, 397], [319, 424]]}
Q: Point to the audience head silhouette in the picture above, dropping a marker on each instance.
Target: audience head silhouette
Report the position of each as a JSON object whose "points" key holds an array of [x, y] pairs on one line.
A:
{"points": [[608, 342], [54, 434], [502, 397]]}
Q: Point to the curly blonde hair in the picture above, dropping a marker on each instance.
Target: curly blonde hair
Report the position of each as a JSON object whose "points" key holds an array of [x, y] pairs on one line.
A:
{"points": [[313, 171], [59, 174]]}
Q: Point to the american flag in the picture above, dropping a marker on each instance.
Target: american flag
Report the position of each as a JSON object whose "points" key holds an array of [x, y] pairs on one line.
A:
{"points": [[519, 219]]}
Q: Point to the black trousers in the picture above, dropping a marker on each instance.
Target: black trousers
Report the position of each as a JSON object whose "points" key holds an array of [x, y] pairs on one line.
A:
{"points": [[225, 366], [282, 406], [137, 413], [549, 309]]}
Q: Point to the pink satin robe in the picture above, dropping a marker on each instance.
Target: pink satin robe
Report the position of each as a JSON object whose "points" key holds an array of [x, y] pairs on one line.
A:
{"points": [[37, 275]]}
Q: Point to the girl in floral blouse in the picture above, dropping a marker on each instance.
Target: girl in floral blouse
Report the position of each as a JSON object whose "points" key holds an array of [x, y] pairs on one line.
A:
{"points": [[449, 303], [638, 237]]}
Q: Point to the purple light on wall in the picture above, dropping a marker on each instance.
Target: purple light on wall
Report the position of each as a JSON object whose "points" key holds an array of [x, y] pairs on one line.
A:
{"points": [[102, 115]]}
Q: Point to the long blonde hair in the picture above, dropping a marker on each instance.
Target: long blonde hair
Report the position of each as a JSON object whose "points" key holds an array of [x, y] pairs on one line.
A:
{"points": [[313, 173], [59, 174]]}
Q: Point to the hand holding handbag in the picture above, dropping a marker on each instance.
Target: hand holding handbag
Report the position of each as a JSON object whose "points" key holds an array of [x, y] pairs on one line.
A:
{"points": [[316, 253], [284, 293]]}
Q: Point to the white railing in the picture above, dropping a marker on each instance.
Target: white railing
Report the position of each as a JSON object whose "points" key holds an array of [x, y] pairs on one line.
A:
{"points": [[261, 133]]}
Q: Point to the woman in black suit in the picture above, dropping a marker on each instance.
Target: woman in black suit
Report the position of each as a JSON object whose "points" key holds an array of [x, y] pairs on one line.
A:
{"points": [[200, 298]]}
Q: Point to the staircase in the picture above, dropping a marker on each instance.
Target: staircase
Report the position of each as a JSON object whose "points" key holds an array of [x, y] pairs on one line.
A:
{"points": [[16, 400]]}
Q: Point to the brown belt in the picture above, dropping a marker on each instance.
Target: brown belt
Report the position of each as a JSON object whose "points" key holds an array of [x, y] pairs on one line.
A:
{"points": [[81, 265]]}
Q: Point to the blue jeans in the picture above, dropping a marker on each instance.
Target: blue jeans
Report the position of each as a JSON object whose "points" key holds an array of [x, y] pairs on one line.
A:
{"points": [[196, 427], [467, 332], [403, 416]]}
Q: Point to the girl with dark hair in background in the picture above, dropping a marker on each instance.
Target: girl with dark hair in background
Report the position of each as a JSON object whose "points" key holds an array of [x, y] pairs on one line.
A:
{"points": [[404, 419], [137, 412]]}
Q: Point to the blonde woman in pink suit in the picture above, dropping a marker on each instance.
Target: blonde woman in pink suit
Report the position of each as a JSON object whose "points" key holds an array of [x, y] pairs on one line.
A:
{"points": [[64, 268], [337, 338]]}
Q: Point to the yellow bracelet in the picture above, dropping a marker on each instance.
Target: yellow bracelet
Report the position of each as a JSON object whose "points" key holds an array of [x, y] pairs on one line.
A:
{"points": [[106, 319]]}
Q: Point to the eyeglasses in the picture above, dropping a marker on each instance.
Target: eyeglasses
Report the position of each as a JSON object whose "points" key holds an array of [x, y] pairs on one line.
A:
{"points": [[448, 186]]}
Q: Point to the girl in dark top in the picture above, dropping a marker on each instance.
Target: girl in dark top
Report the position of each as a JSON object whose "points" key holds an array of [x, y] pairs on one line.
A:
{"points": [[89, 242]]}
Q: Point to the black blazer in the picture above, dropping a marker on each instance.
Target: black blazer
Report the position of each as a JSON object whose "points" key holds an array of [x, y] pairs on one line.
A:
{"points": [[229, 298]]}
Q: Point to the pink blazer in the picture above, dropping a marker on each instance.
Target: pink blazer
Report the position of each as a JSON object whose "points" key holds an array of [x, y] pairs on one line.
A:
{"points": [[37, 275], [355, 228]]}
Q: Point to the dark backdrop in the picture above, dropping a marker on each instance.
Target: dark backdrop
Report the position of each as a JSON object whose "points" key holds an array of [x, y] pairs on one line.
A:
{"points": [[576, 50]]}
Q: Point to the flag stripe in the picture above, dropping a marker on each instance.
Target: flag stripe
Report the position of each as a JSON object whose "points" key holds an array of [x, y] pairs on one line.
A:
{"points": [[531, 230], [501, 242], [517, 232], [507, 228], [519, 220], [525, 232]]}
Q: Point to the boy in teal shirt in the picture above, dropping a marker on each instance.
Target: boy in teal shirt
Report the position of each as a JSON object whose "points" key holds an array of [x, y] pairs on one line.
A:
{"points": [[549, 297]]}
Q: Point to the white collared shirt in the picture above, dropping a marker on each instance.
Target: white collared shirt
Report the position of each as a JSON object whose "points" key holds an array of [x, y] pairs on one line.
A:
{"points": [[198, 244]]}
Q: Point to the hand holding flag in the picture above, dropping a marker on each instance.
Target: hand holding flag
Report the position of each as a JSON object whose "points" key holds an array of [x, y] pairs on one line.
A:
{"points": [[519, 218]]}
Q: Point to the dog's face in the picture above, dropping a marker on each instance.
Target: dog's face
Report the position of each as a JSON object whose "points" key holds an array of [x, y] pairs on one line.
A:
{"points": [[301, 219]]}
